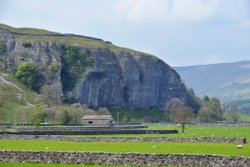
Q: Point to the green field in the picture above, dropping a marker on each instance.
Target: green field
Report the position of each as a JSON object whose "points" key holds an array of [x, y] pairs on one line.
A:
{"points": [[192, 131], [227, 149], [138, 147], [244, 117], [208, 131]]}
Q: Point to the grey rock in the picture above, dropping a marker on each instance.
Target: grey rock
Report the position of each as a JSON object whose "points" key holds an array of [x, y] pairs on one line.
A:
{"points": [[117, 78]]}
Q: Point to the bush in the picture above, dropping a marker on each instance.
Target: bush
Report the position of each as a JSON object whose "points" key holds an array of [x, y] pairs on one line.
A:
{"points": [[27, 44], [2, 47], [26, 74], [53, 69], [74, 63], [38, 115]]}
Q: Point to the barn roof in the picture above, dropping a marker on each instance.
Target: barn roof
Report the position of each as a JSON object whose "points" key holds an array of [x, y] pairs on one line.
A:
{"points": [[97, 117]]}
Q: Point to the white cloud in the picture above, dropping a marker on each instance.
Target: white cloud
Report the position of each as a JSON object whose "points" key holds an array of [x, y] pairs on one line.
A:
{"points": [[143, 11], [178, 31], [140, 11], [193, 10]]}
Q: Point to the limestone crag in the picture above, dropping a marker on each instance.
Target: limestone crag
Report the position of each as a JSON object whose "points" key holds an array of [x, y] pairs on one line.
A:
{"points": [[92, 71]]}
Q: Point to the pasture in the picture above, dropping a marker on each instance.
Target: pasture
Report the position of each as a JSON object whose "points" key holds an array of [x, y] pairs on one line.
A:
{"points": [[226, 149], [136, 147], [208, 131], [192, 131]]}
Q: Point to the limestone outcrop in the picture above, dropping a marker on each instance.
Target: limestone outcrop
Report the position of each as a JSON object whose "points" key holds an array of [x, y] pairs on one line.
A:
{"points": [[91, 71]]}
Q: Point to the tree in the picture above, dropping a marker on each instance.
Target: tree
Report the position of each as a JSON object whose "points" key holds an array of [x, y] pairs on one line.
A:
{"points": [[216, 110], [206, 98], [180, 113], [183, 116], [77, 111], [204, 114], [38, 115], [26, 73], [211, 110], [66, 118], [52, 94], [231, 112]]}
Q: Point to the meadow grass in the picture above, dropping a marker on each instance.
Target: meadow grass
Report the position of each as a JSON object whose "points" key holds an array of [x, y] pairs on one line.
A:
{"points": [[208, 131], [136, 147], [190, 131], [11, 164], [244, 117]]}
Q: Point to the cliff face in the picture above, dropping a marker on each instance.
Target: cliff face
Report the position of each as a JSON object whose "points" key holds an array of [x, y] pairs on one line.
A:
{"points": [[91, 71]]}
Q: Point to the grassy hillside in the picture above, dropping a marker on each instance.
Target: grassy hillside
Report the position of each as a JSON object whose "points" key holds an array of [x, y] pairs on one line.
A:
{"points": [[26, 30], [15, 99], [230, 82]]}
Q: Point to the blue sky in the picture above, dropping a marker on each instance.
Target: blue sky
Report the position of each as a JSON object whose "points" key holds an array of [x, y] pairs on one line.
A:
{"points": [[180, 32]]}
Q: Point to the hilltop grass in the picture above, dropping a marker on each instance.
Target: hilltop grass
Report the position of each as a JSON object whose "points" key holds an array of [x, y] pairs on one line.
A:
{"points": [[26, 30], [11, 164], [76, 41], [228, 149], [73, 40]]}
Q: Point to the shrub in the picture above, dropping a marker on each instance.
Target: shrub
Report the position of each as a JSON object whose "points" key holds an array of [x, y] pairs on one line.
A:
{"points": [[38, 115], [2, 47], [74, 63], [53, 69], [26, 74], [27, 44]]}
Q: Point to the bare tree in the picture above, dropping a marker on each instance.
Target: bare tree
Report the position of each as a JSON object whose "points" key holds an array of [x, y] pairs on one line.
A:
{"points": [[77, 111], [210, 111], [52, 94], [180, 113], [182, 116]]}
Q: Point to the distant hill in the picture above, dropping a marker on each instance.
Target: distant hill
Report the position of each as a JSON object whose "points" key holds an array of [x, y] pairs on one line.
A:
{"points": [[230, 82]]}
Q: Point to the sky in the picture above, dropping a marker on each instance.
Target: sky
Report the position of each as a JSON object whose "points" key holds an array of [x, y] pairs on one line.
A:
{"points": [[180, 32]]}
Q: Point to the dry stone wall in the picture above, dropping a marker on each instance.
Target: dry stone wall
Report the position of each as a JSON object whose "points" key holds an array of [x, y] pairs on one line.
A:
{"points": [[89, 132], [122, 139], [124, 158]]}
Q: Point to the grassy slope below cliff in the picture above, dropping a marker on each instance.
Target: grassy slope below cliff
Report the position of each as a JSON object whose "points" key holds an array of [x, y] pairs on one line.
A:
{"points": [[15, 98]]}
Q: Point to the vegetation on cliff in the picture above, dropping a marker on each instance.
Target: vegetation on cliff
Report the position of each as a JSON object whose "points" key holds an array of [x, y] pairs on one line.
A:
{"points": [[54, 64], [75, 61]]}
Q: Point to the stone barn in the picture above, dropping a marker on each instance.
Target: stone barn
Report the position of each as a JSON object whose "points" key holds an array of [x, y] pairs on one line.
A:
{"points": [[98, 120]]}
